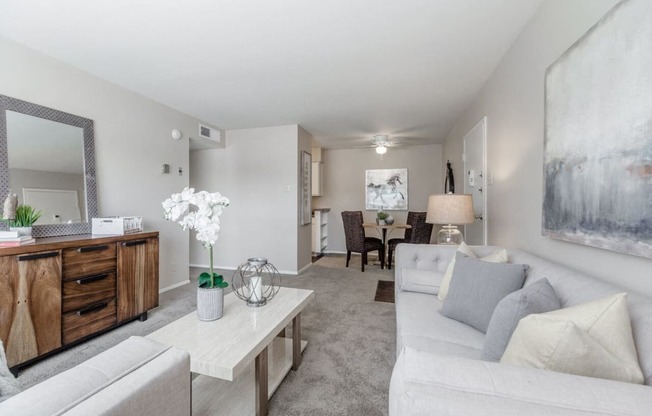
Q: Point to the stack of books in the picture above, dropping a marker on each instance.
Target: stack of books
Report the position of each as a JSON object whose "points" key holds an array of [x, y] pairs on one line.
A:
{"points": [[11, 239]]}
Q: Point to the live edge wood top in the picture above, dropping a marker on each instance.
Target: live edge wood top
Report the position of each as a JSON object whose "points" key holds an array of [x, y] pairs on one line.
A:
{"points": [[58, 243]]}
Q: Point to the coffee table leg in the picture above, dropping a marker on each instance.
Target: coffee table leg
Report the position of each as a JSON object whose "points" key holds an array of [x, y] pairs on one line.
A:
{"points": [[296, 342], [261, 383]]}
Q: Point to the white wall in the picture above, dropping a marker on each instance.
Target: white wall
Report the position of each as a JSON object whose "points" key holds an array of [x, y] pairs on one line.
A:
{"points": [[513, 99], [344, 183], [28, 178], [132, 141], [258, 172]]}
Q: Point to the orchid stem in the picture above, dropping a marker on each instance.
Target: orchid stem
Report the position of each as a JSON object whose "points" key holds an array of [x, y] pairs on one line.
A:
{"points": [[210, 250]]}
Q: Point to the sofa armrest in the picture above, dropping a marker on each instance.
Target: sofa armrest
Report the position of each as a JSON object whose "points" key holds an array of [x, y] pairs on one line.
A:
{"points": [[424, 383]]}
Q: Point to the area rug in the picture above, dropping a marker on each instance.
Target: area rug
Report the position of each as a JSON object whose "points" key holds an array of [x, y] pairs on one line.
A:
{"points": [[385, 291]]}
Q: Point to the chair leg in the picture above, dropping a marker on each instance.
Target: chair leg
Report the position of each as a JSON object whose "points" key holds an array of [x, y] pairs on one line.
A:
{"points": [[364, 259], [389, 258], [382, 258], [348, 257]]}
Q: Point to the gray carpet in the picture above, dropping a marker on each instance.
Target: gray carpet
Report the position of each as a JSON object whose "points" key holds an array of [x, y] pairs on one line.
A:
{"points": [[346, 367]]}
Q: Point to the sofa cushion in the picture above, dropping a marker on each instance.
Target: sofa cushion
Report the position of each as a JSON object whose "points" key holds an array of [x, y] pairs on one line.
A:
{"points": [[498, 256], [418, 323], [477, 287], [538, 297], [593, 339], [8, 383], [422, 281], [86, 379]]}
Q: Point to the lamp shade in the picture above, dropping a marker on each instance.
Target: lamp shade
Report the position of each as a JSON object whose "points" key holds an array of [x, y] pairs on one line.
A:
{"points": [[450, 209]]}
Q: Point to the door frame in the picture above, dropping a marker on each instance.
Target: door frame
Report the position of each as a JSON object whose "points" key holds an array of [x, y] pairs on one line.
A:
{"points": [[485, 217]]}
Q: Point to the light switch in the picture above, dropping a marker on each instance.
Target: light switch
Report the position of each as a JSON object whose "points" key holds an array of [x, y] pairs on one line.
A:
{"points": [[165, 168], [180, 171]]}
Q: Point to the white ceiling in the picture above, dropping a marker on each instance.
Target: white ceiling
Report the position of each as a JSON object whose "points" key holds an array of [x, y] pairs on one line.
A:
{"points": [[343, 69]]}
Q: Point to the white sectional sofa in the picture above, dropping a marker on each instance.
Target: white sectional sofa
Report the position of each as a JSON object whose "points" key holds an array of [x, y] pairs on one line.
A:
{"points": [[438, 369], [136, 377]]}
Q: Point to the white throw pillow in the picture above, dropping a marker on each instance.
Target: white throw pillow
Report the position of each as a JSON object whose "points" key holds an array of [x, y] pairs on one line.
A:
{"points": [[8, 383], [421, 281], [593, 339], [498, 256]]}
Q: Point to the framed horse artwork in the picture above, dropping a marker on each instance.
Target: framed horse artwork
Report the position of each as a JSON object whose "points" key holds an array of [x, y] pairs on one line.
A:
{"points": [[386, 189]]}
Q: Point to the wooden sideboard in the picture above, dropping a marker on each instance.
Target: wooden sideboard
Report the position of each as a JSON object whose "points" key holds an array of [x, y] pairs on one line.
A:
{"points": [[62, 290]]}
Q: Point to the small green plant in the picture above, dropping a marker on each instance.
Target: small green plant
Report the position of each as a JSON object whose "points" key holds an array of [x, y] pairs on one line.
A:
{"points": [[205, 280], [26, 216], [382, 215]]}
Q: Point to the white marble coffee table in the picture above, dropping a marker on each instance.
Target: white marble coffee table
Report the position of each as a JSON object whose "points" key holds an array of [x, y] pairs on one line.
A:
{"points": [[233, 351]]}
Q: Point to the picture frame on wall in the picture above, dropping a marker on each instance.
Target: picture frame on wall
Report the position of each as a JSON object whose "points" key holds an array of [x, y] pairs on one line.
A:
{"points": [[386, 189], [597, 141], [306, 191]]}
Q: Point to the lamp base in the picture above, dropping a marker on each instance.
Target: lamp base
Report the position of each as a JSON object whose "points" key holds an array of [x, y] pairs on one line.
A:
{"points": [[449, 234]]}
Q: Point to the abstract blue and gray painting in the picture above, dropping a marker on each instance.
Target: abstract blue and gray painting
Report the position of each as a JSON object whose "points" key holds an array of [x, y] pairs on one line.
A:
{"points": [[598, 138]]}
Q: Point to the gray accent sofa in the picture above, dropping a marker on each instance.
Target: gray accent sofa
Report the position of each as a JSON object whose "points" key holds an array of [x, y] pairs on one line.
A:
{"points": [[439, 372], [136, 377]]}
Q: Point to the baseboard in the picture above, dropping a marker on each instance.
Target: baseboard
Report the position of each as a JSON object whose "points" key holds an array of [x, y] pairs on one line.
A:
{"points": [[304, 268], [215, 266], [174, 286]]}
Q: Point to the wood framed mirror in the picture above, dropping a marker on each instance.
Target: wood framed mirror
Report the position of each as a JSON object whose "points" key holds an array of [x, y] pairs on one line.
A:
{"points": [[47, 158]]}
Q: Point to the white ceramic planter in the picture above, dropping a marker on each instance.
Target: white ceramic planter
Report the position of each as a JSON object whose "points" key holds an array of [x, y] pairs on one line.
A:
{"points": [[210, 303]]}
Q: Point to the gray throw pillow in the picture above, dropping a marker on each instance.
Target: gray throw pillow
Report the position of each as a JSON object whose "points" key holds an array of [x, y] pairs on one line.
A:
{"points": [[538, 297], [8, 383], [476, 288]]}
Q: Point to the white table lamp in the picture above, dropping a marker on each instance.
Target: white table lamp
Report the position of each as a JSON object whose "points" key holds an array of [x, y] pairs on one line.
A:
{"points": [[449, 209]]}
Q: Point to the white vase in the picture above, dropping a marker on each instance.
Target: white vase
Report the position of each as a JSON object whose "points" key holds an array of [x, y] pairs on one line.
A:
{"points": [[210, 303], [22, 231]]}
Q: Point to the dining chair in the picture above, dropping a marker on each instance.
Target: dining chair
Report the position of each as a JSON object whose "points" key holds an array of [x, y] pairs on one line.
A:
{"points": [[357, 242], [419, 234]]}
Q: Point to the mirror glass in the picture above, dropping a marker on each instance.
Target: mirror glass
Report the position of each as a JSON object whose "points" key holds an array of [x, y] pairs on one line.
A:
{"points": [[46, 167]]}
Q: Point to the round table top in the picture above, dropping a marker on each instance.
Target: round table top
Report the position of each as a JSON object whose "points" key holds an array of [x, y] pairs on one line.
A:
{"points": [[386, 226]]}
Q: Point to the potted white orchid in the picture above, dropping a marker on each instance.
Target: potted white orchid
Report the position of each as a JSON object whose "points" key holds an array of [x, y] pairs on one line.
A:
{"points": [[204, 218]]}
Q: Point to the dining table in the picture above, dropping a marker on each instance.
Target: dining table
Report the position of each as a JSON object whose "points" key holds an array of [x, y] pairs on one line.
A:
{"points": [[385, 230]]}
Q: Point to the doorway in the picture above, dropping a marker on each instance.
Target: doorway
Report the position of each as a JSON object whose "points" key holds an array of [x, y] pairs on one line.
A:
{"points": [[475, 174]]}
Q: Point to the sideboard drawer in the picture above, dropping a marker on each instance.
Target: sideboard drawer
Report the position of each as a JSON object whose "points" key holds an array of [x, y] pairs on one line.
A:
{"points": [[89, 320], [89, 260], [88, 290]]}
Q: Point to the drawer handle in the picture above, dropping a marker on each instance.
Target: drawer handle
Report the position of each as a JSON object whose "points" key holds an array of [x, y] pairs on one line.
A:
{"points": [[133, 243], [90, 279], [93, 248], [38, 256], [93, 308]]}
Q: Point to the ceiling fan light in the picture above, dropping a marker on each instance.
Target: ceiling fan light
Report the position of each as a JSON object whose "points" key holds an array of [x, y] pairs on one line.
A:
{"points": [[381, 149]]}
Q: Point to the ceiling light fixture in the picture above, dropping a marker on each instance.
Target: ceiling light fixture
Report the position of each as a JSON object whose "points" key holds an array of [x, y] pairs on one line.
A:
{"points": [[380, 140]]}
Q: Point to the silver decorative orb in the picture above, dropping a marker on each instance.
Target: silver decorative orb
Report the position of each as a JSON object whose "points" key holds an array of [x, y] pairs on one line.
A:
{"points": [[256, 281]]}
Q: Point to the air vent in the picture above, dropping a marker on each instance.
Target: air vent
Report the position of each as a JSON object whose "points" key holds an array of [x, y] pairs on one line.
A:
{"points": [[209, 133]]}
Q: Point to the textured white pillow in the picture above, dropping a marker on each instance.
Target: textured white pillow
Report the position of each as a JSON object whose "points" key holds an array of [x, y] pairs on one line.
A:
{"points": [[593, 339], [498, 256], [8, 383]]}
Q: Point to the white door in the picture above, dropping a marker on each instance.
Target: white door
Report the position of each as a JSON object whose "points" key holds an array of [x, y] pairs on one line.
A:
{"points": [[56, 205], [475, 173]]}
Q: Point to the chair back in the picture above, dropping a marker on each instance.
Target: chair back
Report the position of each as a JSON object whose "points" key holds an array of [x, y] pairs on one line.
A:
{"points": [[421, 231], [353, 230]]}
